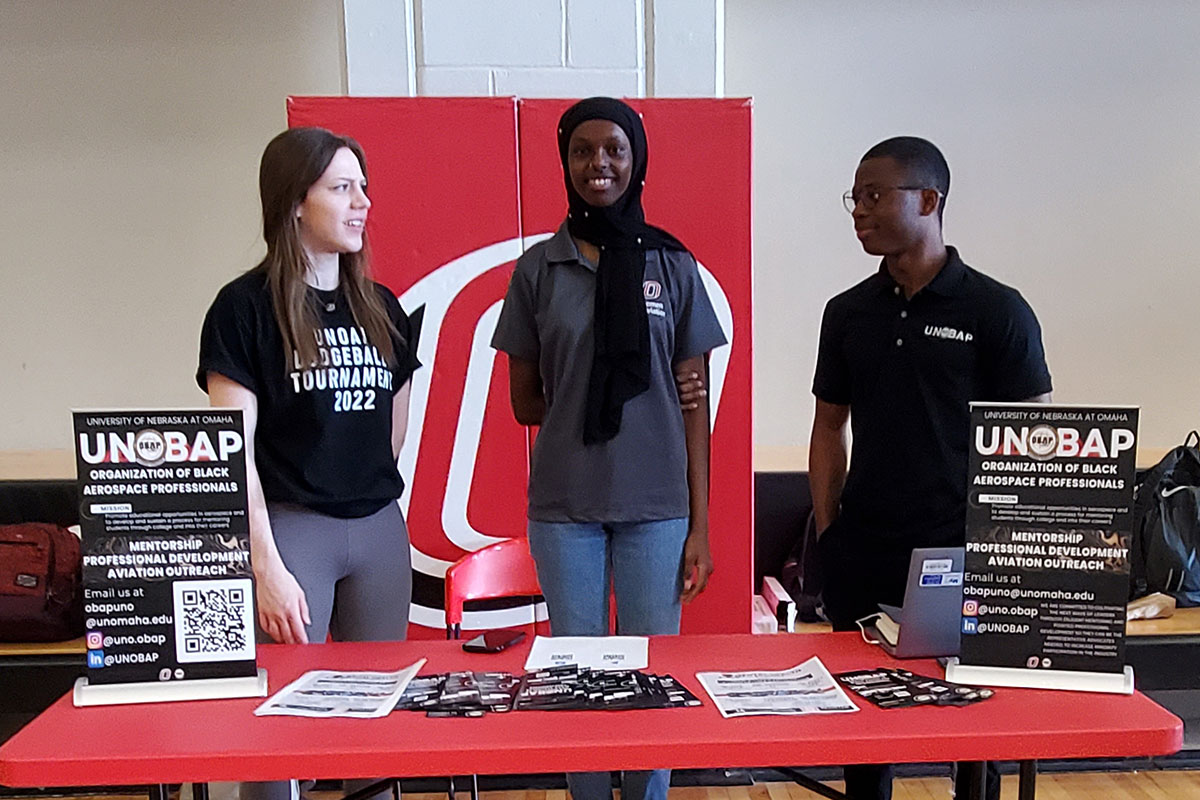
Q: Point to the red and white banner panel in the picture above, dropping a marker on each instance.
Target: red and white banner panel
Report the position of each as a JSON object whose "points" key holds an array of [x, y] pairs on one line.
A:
{"points": [[459, 188]]}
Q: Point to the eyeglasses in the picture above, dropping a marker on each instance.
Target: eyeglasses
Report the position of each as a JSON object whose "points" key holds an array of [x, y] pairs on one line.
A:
{"points": [[871, 197]]}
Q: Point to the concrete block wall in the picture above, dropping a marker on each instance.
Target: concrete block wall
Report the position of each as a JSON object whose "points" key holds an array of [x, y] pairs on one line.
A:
{"points": [[535, 48]]}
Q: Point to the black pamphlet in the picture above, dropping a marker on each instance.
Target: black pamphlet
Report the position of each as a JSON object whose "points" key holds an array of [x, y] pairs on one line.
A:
{"points": [[899, 688], [551, 689]]}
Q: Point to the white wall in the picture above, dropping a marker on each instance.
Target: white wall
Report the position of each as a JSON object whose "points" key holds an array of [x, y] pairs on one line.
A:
{"points": [[131, 133], [535, 48], [1073, 136]]}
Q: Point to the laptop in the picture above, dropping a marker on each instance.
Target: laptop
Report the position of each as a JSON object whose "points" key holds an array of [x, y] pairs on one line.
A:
{"points": [[927, 626]]}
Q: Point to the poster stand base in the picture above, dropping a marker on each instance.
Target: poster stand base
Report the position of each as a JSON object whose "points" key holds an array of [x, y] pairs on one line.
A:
{"points": [[1110, 682], [111, 694]]}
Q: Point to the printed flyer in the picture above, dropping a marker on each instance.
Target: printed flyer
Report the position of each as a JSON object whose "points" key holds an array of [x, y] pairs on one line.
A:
{"points": [[806, 688], [168, 594], [1048, 534]]}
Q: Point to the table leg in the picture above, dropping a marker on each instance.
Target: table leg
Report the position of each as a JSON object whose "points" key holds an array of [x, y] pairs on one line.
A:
{"points": [[977, 779], [383, 784], [199, 791], [809, 783], [1028, 781]]}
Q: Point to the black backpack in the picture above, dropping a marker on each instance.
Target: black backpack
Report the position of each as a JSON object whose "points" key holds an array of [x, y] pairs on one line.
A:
{"points": [[1164, 548], [801, 574]]}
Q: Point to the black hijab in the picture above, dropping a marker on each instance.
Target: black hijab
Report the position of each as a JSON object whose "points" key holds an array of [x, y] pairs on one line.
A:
{"points": [[621, 360]]}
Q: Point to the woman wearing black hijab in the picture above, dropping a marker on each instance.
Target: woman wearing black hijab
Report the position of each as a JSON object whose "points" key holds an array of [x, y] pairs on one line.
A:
{"points": [[596, 320]]}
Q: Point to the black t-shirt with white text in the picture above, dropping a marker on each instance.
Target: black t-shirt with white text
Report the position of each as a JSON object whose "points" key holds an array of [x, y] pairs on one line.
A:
{"points": [[324, 434]]}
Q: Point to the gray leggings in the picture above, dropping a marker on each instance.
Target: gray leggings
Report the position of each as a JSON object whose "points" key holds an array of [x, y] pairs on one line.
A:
{"points": [[357, 579]]}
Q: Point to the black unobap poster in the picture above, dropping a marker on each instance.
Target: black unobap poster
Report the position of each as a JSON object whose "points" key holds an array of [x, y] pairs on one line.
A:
{"points": [[1048, 534], [166, 545]]}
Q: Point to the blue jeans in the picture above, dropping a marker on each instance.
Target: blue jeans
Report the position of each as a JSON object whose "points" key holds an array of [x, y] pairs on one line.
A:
{"points": [[642, 561]]}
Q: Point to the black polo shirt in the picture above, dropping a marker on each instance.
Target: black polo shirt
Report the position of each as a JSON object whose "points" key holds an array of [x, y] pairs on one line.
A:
{"points": [[908, 368]]}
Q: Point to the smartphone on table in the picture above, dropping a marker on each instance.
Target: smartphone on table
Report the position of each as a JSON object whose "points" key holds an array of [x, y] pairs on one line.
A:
{"points": [[494, 641]]}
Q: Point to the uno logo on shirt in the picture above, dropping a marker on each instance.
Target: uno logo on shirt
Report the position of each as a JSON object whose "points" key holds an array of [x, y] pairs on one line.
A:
{"points": [[465, 459], [652, 290]]}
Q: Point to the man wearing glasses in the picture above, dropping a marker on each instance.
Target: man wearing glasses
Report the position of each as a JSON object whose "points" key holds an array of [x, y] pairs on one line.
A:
{"points": [[900, 356]]}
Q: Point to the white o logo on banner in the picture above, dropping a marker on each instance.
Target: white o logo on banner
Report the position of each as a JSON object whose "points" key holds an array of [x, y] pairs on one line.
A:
{"points": [[1043, 442]]}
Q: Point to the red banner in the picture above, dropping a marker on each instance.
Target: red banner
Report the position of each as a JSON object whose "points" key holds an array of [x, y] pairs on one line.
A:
{"points": [[448, 220]]}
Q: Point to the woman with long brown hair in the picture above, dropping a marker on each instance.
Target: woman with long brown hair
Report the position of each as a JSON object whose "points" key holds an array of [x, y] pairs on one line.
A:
{"points": [[318, 357]]}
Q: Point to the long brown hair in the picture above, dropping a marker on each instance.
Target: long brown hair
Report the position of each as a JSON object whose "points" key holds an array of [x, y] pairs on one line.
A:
{"points": [[293, 161]]}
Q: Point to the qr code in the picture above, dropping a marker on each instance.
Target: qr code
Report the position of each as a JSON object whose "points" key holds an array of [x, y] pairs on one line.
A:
{"points": [[214, 620]]}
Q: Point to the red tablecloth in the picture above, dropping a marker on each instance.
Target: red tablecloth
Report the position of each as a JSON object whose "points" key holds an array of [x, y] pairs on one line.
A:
{"points": [[218, 740]]}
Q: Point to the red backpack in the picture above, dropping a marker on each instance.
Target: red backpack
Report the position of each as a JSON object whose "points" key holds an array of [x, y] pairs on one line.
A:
{"points": [[41, 586]]}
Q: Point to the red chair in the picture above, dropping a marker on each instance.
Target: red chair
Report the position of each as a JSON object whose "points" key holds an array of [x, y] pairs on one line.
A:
{"points": [[504, 569]]}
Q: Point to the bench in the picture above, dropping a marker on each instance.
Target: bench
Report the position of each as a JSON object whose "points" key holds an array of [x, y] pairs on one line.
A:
{"points": [[34, 675]]}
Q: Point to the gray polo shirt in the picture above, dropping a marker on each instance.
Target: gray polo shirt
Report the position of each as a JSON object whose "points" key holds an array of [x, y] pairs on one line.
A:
{"points": [[641, 473]]}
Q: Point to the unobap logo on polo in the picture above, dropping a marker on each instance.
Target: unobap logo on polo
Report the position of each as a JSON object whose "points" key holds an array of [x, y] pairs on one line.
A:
{"points": [[947, 332], [446, 334]]}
